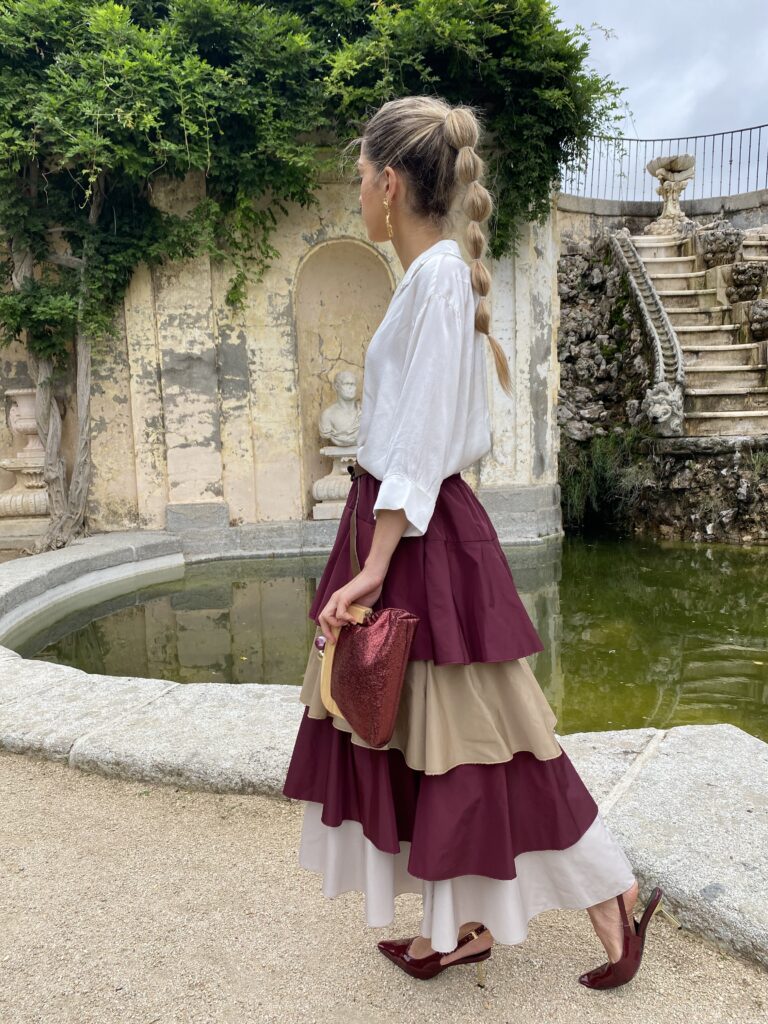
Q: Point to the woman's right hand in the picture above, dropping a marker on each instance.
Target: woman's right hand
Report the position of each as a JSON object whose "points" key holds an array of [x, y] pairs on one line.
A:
{"points": [[365, 588]]}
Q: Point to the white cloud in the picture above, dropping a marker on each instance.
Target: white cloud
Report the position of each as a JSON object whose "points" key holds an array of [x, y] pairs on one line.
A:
{"points": [[692, 68]]}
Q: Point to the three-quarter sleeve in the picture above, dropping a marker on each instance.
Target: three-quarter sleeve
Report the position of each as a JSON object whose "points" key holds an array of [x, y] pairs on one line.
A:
{"points": [[424, 418]]}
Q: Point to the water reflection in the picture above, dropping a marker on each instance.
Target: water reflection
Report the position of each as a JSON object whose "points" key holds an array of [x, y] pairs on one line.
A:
{"points": [[636, 633], [664, 635]]}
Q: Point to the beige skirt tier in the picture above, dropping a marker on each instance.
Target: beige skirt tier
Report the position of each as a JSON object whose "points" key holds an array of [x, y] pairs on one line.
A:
{"points": [[448, 715]]}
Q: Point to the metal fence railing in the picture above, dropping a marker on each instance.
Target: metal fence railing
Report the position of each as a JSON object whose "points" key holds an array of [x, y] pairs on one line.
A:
{"points": [[726, 163]]}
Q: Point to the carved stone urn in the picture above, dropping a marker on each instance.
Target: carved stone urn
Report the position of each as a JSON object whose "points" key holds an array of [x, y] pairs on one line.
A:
{"points": [[673, 173], [28, 496]]}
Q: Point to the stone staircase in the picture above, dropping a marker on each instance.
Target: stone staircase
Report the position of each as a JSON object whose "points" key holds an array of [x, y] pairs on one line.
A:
{"points": [[726, 378]]}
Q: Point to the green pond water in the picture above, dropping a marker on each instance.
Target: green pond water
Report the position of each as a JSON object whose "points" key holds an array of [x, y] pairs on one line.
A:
{"points": [[636, 633]]}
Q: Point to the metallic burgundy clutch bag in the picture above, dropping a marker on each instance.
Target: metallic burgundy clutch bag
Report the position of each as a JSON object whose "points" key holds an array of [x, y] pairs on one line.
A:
{"points": [[363, 671]]}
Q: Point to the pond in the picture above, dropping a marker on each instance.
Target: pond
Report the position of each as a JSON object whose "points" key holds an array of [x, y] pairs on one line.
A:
{"points": [[637, 633]]}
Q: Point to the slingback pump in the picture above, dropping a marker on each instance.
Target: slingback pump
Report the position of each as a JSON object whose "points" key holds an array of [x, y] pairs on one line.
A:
{"points": [[426, 967], [612, 974]]}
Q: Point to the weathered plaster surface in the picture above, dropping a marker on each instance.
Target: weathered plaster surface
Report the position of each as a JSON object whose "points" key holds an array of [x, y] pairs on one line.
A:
{"points": [[524, 318], [194, 403], [113, 493], [148, 422]]}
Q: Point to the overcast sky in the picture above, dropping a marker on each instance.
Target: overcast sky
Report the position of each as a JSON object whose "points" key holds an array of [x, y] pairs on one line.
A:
{"points": [[691, 67]]}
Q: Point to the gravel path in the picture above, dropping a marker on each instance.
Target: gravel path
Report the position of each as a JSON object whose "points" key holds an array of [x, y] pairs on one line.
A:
{"points": [[128, 902]]}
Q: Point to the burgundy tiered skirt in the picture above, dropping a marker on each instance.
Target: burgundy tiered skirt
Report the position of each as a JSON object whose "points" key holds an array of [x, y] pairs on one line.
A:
{"points": [[473, 803]]}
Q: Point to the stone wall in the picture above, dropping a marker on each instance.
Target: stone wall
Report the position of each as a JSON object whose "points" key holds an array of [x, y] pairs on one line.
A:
{"points": [[604, 367], [719, 493], [198, 411], [582, 220]]}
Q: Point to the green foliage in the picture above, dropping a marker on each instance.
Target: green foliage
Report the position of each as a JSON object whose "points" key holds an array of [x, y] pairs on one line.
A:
{"points": [[98, 99], [47, 311], [757, 462], [601, 480], [617, 314], [513, 60]]}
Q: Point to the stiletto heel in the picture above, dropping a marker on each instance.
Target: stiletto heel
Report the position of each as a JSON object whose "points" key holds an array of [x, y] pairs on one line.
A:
{"points": [[612, 974], [428, 966]]}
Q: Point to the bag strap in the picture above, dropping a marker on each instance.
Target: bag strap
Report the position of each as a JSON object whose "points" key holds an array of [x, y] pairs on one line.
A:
{"points": [[354, 561]]}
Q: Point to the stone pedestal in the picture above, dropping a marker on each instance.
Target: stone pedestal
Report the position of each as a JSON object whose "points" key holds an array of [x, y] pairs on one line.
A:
{"points": [[331, 491]]}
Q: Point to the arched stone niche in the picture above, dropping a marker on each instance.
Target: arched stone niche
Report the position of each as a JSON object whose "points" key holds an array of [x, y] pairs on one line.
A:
{"points": [[341, 292]]}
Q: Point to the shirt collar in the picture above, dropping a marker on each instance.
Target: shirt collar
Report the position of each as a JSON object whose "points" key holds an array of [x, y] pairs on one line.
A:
{"points": [[443, 245]]}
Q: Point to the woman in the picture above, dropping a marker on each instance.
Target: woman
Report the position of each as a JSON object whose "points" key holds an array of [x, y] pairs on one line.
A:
{"points": [[473, 802]]}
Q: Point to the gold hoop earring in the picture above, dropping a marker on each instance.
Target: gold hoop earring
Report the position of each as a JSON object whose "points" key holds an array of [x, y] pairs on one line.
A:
{"points": [[389, 224]]}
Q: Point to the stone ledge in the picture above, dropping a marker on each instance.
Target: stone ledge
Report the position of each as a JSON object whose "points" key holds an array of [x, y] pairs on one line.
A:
{"points": [[650, 208], [39, 586], [713, 444], [696, 816], [689, 804], [511, 500], [527, 514]]}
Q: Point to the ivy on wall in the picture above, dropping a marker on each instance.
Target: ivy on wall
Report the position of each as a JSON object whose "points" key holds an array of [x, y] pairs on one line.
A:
{"points": [[98, 100]]}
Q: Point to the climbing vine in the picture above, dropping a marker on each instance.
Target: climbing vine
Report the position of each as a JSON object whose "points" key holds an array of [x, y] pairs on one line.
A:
{"points": [[99, 100]]}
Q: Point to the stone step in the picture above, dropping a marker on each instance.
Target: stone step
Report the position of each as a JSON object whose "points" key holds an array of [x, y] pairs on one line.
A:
{"points": [[663, 266], [721, 355], [722, 399], [701, 653], [673, 262], [658, 247], [735, 689], [705, 375], [699, 423], [677, 298], [679, 282], [708, 334], [683, 315], [643, 240]]}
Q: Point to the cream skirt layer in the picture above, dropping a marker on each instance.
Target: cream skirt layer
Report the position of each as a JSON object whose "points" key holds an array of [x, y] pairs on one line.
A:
{"points": [[593, 869]]}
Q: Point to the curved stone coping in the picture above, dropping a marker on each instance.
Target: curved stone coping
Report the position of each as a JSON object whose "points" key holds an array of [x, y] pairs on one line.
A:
{"points": [[689, 804], [37, 590], [752, 200]]}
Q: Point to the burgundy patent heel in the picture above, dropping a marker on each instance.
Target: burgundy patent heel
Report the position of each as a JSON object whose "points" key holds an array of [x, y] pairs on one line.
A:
{"points": [[426, 967], [610, 974]]}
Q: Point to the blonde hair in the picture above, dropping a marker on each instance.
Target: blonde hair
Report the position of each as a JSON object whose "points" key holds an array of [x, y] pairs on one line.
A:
{"points": [[433, 144]]}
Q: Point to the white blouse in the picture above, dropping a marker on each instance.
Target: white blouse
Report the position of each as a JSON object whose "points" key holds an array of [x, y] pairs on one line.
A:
{"points": [[424, 413]]}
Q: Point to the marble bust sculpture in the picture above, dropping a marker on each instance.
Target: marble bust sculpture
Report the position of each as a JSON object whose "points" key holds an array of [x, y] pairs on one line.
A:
{"points": [[340, 422]]}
